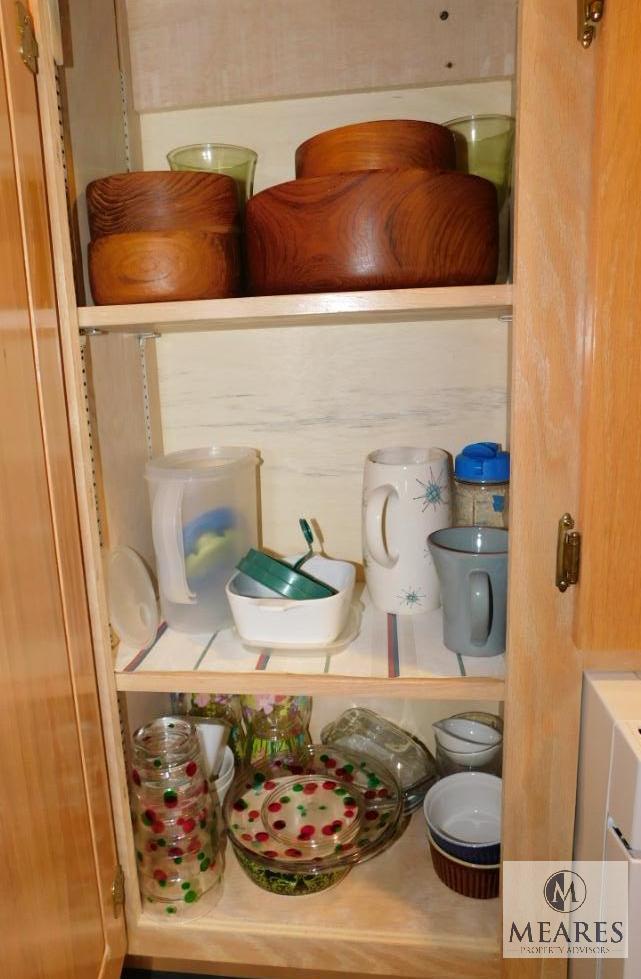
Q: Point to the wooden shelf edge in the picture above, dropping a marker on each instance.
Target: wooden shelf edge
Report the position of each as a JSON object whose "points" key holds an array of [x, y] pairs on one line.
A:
{"points": [[390, 305], [418, 688]]}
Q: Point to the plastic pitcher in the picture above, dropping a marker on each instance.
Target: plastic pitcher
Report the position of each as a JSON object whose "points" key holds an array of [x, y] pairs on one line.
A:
{"points": [[203, 518]]}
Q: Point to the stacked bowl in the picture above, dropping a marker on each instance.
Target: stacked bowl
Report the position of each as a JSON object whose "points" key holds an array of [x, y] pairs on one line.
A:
{"points": [[463, 816], [472, 741], [161, 236], [376, 205]]}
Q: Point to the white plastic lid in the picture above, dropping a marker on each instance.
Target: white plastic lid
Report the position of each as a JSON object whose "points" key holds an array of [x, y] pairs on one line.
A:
{"points": [[213, 462], [133, 609]]}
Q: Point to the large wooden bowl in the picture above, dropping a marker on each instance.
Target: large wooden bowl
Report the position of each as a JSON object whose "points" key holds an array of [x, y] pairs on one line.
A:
{"points": [[384, 229], [389, 144], [161, 201], [160, 266]]}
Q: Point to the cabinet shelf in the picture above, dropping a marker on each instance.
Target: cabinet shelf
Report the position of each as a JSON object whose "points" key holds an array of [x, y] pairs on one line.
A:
{"points": [[401, 656], [391, 916], [384, 306]]}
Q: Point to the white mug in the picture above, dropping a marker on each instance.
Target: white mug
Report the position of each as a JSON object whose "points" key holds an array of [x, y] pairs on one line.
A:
{"points": [[406, 496]]}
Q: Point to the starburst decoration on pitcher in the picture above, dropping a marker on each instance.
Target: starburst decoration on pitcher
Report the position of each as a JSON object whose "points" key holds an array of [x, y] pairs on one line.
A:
{"points": [[433, 492], [411, 597]]}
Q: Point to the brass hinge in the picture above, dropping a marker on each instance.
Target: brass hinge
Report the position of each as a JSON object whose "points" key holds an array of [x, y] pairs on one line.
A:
{"points": [[118, 891], [589, 14], [27, 37], [568, 553]]}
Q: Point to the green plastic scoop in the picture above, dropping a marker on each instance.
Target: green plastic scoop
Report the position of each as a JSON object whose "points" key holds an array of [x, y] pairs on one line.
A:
{"points": [[286, 579]]}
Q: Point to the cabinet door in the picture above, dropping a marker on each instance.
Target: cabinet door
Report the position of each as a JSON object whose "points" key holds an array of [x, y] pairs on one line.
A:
{"points": [[58, 848]]}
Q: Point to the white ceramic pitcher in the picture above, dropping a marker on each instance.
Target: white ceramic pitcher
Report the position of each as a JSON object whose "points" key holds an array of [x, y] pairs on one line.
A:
{"points": [[406, 496]]}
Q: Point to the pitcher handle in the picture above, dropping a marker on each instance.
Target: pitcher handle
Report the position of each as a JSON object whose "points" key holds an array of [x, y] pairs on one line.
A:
{"points": [[167, 533], [480, 607], [374, 526]]}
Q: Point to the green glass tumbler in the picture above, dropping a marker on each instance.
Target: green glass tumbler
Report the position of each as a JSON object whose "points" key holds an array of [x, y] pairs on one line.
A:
{"points": [[236, 162], [485, 147]]}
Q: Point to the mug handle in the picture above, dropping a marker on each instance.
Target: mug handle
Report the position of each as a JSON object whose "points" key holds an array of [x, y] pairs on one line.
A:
{"points": [[167, 534], [374, 535], [480, 607]]}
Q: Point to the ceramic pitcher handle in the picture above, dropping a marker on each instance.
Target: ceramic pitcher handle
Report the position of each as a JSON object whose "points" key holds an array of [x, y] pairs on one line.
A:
{"points": [[479, 607], [374, 531], [167, 533]]}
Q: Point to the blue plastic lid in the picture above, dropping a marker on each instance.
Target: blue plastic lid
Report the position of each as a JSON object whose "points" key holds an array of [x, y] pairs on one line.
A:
{"points": [[483, 462]]}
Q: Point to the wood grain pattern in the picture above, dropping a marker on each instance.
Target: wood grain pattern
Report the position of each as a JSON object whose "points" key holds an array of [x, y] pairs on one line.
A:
{"points": [[56, 917], [391, 916], [206, 52], [161, 201], [543, 682], [164, 266], [385, 144], [379, 229], [609, 597]]}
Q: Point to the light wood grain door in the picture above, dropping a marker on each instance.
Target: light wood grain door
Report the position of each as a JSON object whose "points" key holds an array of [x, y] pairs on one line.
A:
{"points": [[58, 847]]}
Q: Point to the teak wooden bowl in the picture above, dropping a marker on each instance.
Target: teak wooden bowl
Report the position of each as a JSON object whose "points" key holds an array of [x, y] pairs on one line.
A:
{"points": [[390, 144], [383, 229], [160, 266], [161, 201]]}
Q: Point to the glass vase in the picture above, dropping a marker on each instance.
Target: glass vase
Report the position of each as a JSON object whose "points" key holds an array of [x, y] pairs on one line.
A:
{"points": [[274, 724]]}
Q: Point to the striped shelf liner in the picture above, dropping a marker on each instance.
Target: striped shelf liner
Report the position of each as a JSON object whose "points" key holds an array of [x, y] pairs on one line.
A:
{"points": [[386, 646]]}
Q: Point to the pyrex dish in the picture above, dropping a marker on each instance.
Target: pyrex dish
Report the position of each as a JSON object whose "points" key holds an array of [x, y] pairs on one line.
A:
{"points": [[463, 814], [281, 577], [318, 810], [262, 616], [361, 730], [349, 632], [471, 880]]}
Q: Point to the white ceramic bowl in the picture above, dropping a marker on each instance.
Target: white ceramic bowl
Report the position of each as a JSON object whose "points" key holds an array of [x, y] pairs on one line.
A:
{"points": [[458, 734], [261, 616], [465, 810], [472, 759]]}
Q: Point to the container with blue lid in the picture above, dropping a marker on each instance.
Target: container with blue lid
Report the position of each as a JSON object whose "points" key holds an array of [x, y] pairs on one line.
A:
{"points": [[481, 483]]}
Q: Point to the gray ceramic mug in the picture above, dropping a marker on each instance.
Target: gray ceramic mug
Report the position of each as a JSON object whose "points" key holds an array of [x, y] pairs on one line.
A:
{"points": [[471, 563]]}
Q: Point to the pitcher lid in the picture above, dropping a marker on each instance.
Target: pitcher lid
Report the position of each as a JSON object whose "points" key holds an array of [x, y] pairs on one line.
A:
{"points": [[483, 462]]}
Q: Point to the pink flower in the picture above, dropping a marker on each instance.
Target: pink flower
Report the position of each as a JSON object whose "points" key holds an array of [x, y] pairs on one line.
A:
{"points": [[201, 699]]}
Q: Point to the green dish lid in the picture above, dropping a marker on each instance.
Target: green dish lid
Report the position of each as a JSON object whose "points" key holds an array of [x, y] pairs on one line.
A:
{"points": [[282, 578]]}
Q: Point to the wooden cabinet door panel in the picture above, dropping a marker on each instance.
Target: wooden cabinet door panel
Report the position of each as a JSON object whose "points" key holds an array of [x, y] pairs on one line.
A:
{"points": [[57, 835]]}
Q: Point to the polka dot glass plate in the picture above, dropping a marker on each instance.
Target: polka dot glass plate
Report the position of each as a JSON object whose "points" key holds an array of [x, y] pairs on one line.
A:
{"points": [[321, 809]]}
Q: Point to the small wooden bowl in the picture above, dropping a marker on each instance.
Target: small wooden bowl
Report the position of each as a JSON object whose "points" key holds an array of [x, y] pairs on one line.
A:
{"points": [[161, 201], [390, 144], [383, 229], [161, 266]]}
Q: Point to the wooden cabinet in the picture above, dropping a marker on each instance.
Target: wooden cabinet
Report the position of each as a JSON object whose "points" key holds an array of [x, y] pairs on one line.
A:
{"points": [[316, 381]]}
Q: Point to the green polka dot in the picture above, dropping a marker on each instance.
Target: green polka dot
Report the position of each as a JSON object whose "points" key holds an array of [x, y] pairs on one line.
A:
{"points": [[297, 788], [285, 799], [170, 796], [363, 764], [178, 860], [259, 778], [324, 757], [150, 900], [161, 842], [170, 910], [157, 763], [139, 856], [202, 823], [300, 808], [205, 864], [145, 819], [373, 780], [340, 791], [186, 886], [162, 883], [190, 897], [348, 768], [240, 806], [322, 807], [171, 725], [201, 855]]}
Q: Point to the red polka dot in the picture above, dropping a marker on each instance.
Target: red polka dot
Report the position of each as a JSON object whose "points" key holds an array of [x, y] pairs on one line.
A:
{"points": [[296, 769], [269, 784], [308, 830], [270, 853], [280, 824], [160, 875], [371, 814], [191, 769], [135, 777], [157, 827], [262, 837], [329, 784], [328, 830], [246, 836], [152, 847], [175, 851], [349, 813], [205, 787], [310, 788], [293, 852], [254, 814], [383, 793], [274, 807], [341, 772], [189, 825], [180, 820], [330, 763], [150, 815], [370, 794], [194, 844]]}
